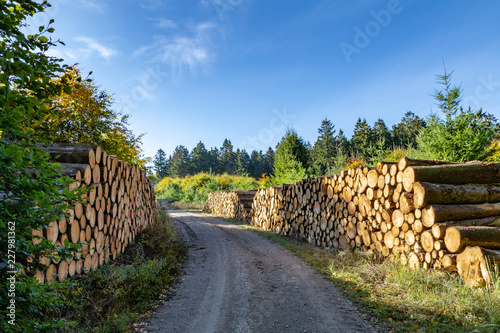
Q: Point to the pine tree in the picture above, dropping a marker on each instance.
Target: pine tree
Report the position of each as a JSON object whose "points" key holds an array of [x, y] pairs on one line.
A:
{"points": [[200, 161], [242, 162], [361, 140], [268, 166], [291, 159], [214, 165], [324, 149], [404, 135], [179, 162], [160, 164], [256, 164], [461, 135], [228, 157]]}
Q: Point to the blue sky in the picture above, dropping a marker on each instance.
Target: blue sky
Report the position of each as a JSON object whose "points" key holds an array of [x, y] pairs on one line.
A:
{"points": [[191, 70]]}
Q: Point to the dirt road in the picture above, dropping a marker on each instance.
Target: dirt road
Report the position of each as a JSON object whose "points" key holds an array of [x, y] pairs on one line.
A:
{"points": [[238, 281]]}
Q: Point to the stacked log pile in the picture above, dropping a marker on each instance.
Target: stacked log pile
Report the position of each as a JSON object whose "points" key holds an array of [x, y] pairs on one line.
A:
{"points": [[231, 204], [430, 214], [117, 203]]}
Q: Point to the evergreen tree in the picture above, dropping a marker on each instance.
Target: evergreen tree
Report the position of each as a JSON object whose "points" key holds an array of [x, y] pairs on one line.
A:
{"points": [[268, 165], [228, 157], [214, 164], [179, 162], [361, 140], [160, 164], [341, 151], [324, 149], [404, 134], [381, 133], [242, 162], [200, 161], [291, 159], [461, 135], [256, 166]]}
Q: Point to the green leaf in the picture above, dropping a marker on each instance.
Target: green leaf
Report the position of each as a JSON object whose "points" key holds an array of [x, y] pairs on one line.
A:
{"points": [[43, 39], [51, 30]]}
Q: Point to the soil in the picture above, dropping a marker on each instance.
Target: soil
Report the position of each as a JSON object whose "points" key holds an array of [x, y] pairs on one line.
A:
{"points": [[235, 280]]}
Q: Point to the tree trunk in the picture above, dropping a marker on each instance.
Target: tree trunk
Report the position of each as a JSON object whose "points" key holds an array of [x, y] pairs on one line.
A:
{"points": [[429, 193], [465, 173], [458, 237], [440, 213]]}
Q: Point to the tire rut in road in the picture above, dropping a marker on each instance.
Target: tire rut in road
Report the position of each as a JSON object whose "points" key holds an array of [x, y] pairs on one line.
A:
{"points": [[238, 281]]}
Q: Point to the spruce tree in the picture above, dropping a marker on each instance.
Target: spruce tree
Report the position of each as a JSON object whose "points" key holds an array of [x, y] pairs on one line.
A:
{"points": [[291, 159], [324, 149]]}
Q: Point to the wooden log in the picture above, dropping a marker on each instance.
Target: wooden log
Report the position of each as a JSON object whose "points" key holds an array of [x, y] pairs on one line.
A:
{"points": [[52, 232], [406, 162], [465, 173], [472, 267], [439, 213], [425, 193], [427, 241], [372, 177], [72, 153], [459, 237], [449, 262]]}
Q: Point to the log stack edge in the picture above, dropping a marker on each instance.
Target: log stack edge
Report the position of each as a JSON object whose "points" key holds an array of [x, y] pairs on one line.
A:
{"points": [[118, 202], [429, 214]]}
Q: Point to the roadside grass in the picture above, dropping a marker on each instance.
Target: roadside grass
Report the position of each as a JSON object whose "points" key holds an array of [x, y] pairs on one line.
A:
{"points": [[125, 290], [180, 205], [405, 300]]}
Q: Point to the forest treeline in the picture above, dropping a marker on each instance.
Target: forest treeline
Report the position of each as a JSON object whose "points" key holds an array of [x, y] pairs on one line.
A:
{"points": [[454, 134]]}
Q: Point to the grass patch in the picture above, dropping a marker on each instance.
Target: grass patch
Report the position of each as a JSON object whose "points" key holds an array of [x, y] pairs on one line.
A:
{"points": [[407, 300], [180, 205], [122, 291]]}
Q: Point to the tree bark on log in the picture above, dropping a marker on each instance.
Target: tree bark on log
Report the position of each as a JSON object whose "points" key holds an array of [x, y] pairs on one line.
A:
{"points": [[456, 238], [458, 174], [440, 213], [406, 162], [430, 193]]}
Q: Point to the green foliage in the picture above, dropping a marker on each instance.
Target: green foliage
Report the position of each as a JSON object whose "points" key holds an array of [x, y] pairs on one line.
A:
{"points": [[84, 115], [459, 136], [160, 164], [291, 160], [31, 192], [200, 159], [361, 139], [179, 164], [324, 150], [404, 134], [196, 188], [492, 153], [109, 299], [227, 157]]}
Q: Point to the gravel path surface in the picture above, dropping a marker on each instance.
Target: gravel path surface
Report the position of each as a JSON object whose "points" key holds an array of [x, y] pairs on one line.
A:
{"points": [[238, 281]]}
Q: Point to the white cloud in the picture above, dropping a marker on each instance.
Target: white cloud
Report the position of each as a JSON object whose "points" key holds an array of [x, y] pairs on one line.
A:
{"points": [[164, 23], [181, 52], [93, 45], [151, 4]]}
